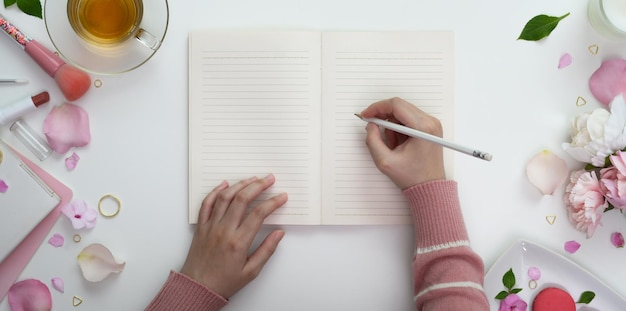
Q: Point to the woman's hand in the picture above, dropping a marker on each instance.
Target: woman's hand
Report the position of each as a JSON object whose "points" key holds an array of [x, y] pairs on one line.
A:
{"points": [[407, 161], [218, 256]]}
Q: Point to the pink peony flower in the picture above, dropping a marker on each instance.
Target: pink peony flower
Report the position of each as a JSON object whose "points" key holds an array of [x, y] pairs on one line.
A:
{"points": [[613, 185], [512, 302], [80, 214], [585, 201]]}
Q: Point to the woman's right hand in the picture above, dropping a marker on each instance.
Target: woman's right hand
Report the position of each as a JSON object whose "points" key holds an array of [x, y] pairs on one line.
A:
{"points": [[407, 161]]}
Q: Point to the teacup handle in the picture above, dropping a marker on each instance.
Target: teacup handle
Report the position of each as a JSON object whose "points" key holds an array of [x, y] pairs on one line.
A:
{"points": [[147, 39]]}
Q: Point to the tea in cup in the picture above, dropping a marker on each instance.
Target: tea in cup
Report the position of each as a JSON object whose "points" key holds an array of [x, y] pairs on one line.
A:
{"points": [[106, 36], [104, 22]]}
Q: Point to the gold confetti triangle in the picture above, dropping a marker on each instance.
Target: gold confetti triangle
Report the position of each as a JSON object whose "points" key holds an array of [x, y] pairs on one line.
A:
{"points": [[76, 301], [593, 49], [580, 101], [551, 219]]}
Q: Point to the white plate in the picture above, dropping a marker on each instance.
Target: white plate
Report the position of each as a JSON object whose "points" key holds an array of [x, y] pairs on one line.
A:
{"points": [[556, 271]]}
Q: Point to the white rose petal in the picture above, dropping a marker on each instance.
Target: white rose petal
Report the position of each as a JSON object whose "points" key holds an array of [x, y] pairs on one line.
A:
{"points": [[96, 262], [547, 171]]}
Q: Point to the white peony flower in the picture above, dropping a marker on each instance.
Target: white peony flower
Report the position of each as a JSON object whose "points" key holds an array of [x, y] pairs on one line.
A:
{"points": [[598, 134]]}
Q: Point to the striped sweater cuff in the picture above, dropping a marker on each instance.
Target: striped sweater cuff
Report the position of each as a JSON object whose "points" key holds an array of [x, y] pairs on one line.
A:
{"points": [[436, 214], [180, 292]]}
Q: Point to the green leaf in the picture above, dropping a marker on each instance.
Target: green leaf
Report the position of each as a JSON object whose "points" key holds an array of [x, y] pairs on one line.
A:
{"points": [[508, 279], [516, 290], [501, 295], [540, 27], [8, 3], [30, 7], [586, 297]]}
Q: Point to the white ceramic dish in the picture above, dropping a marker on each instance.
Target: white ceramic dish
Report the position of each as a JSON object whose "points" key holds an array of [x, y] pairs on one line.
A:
{"points": [[556, 271]]}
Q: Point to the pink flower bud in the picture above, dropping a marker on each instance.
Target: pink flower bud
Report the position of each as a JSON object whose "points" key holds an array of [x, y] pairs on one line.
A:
{"points": [[617, 239]]}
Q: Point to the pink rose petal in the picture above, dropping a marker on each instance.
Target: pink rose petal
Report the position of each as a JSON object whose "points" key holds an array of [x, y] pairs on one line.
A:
{"points": [[30, 295], [534, 273], [617, 239], [67, 126], [58, 284], [56, 240], [3, 186], [571, 246], [609, 80], [565, 60], [71, 161]]}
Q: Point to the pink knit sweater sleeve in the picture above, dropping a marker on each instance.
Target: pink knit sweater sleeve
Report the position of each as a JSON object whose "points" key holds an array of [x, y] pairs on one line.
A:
{"points": [[447, 274], [183, 293]]}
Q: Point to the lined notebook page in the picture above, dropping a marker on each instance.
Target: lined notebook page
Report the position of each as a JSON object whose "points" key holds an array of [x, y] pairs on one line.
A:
{"points": [[255, 109], [361, 68]]}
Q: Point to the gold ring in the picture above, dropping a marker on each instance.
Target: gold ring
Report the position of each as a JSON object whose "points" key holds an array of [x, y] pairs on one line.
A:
{"points": [[532, 284], [76, 238], [114, 198]]}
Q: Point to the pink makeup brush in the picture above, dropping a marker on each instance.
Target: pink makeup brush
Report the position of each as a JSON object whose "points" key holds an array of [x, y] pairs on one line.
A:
{"points": [[72, 81]]}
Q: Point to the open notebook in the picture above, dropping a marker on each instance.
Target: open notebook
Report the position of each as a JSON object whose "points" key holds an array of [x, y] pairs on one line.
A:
{"points": [[284, 103], [26, 201]]}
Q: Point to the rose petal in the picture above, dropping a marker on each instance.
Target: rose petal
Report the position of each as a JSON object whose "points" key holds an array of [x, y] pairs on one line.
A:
{"points": [[534, 273], [96, 262], [565, 60], [56, 240], [547, 171], [58, 284], [617, 239], [3, 186], [71, 161], [67, 126], [571, 246], [609, 80], [30, 295]]}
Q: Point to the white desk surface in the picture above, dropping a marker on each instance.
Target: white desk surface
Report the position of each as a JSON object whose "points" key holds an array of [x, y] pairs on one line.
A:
{"points": [[511, 100]]}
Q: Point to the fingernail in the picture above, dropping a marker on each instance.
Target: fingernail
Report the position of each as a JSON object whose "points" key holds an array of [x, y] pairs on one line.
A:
{"points": [[281, 234], [269, 177]]}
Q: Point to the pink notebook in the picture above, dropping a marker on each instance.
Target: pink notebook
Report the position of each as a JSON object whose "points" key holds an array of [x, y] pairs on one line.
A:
{"points": [[26, 201], [29, 208]]}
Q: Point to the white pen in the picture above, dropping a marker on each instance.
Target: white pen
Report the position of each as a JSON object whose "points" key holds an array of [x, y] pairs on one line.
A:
{"points": [[432, 138], [12, 81]]}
